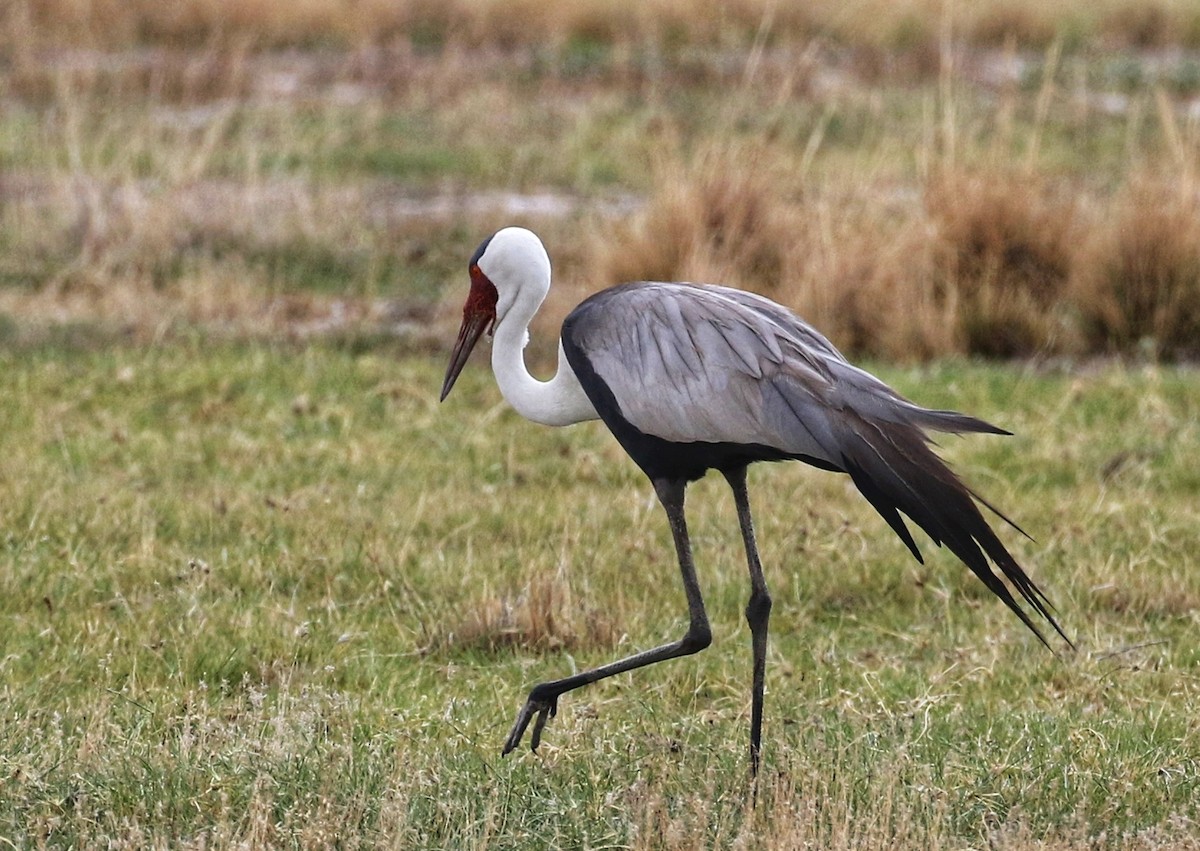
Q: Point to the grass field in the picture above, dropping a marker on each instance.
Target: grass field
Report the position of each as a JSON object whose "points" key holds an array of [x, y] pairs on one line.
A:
{"points": [[276, 596], [257, 589]]}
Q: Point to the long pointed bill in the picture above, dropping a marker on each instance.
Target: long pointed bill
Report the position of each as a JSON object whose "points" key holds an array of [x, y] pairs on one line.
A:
{"points": [[473, 326], [479, 315]]}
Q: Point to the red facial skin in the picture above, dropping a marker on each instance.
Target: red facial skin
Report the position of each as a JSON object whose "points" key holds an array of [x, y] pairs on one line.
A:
{"points": [[479, 315]]}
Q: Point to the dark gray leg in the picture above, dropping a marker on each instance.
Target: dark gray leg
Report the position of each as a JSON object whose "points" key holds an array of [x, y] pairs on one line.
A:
{"points": [[543, 699], [758, 610]]}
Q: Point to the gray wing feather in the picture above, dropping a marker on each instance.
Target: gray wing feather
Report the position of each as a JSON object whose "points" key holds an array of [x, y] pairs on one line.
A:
{"points": [[693, 363]]}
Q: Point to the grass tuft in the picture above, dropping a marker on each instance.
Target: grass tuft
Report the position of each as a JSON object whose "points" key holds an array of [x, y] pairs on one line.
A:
{"points": [[1005, 245], [720, 215], [545, 616], [1137, 283]]}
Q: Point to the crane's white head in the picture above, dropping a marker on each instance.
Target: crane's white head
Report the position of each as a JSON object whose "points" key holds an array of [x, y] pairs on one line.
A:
{"points": [[509, 266]]}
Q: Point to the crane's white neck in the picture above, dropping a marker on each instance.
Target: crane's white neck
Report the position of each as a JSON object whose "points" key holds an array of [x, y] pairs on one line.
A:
{"points": [[557, 402]]}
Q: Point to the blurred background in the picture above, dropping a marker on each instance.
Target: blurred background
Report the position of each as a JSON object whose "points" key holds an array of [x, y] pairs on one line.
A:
{"points": [[1010, 179]]}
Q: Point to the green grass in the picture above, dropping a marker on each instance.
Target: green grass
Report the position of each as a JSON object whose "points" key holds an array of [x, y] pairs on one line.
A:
{"points": [[279, 596]]}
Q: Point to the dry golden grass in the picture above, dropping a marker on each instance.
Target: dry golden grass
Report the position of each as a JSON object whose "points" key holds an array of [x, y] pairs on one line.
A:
{"points": [[145, 258], [652, 23], [1137, 278], [206, 181], [723, 214], [546, 615], [983, 261], [1005, 243], [854, 263], [990, 261]]}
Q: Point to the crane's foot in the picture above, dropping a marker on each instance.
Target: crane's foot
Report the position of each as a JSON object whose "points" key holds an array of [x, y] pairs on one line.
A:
{"points": [[540, 704]]}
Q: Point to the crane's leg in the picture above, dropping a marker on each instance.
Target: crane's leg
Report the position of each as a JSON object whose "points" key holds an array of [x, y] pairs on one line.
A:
{"points": [[543, 699], [758, 610]]}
